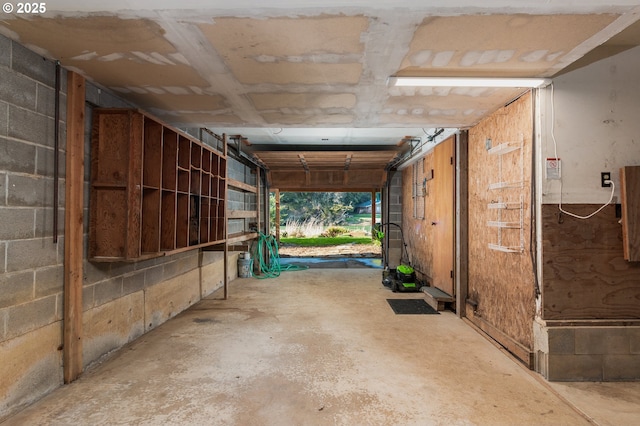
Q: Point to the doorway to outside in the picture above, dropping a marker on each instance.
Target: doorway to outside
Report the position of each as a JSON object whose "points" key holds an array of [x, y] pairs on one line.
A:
{"points": [[326, 225]]}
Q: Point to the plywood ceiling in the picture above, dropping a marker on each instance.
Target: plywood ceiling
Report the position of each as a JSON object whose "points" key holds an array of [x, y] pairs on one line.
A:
{"points": [[262, 69]]}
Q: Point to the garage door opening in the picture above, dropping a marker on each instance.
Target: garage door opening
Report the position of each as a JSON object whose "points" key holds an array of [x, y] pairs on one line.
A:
{"points": [[318, 228]]}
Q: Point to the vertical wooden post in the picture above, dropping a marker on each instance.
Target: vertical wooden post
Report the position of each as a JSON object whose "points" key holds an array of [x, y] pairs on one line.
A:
{"points": [[278, 215], [373, 212], [225, 220], [258, 199], [73, 249]]}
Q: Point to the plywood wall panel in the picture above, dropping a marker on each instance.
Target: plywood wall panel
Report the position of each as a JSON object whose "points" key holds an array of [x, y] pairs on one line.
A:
{"points": [[501, 284], [428, 224], [418, 233], [585, 275]]}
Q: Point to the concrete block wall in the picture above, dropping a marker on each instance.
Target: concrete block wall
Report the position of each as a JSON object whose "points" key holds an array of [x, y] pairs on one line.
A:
{"points": [[30, 262], [240, 200], [597, 353], [121, 301], [395, 216]]}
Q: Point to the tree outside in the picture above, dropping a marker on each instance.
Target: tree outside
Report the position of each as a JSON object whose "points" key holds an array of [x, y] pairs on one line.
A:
{"points": [[307, 214]]}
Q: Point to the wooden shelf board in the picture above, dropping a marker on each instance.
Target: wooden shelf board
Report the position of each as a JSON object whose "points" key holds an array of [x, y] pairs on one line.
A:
{"points": [[242, 214], [241, 185], [240, 237]]}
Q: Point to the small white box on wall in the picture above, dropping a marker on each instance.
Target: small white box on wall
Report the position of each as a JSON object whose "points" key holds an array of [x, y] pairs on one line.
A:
{"points": [[553, 167]]}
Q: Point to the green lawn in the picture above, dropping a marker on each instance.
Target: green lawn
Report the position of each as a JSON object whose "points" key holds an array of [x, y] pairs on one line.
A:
{"points": [[325, 241]]}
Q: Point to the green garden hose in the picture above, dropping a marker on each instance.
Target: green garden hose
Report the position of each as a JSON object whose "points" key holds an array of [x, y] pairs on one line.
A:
{"points": [[269, 259]]}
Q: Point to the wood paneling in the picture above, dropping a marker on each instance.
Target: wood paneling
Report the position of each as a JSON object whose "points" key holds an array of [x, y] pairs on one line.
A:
{"points": [[429, 235], [630, 194], [443, 219], [418, 233], [585, 275], [501, 285]]}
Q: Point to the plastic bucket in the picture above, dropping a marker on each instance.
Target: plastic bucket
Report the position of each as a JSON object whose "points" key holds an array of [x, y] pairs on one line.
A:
{"points": [[244, 267]]}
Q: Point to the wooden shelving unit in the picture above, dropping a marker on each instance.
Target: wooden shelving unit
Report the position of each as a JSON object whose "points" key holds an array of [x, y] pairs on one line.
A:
{"points": [[154, 189]]}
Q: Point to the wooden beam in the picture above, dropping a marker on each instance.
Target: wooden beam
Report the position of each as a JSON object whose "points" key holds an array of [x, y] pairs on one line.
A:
{"points": [[241, 185], [242, 236], [74, 209], [242, 214]]}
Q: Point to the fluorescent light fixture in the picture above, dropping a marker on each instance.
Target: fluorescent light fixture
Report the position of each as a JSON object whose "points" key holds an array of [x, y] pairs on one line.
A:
{"points": [[467, 82]]}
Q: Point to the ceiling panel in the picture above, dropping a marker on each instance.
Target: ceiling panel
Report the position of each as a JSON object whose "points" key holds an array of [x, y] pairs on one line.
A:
{"points": [[291, 73], [502, 46]]}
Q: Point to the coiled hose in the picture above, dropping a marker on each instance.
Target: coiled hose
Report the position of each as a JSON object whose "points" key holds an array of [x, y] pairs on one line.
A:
{"points": [[269, 259]]}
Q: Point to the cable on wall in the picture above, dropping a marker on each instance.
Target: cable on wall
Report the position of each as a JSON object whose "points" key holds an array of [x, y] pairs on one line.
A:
{"points": [[555, 153]]}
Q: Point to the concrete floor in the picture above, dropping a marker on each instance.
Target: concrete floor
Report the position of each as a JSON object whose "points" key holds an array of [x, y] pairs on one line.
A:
{"points": [[321, 347]]}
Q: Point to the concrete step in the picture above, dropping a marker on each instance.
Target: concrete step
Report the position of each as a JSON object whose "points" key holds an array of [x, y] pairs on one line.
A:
{"points": [[437, 298]]}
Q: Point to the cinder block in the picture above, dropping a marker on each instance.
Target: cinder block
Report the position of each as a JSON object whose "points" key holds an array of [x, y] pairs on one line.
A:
{"points": [[18, 90], [22, 383], [45, 163], [121, 268], [29, 191], [561, 341], [17, 156], [5, 59], [49, 281], [112, 325], [92, 95], [30, 316], [106, 291], [16, 289], [3, 189], [188, 263], [169, 298], [95, 272], [30, 126], [16, 223], [621, 367], [634, 339], [3, 252], [87, 297], [109, 100], [31, 254], [4, 118], [44, 222], [46, 101], [32, 65], [574, 368], [602, 340], [148, 263], [153, 275], [133, 283]]}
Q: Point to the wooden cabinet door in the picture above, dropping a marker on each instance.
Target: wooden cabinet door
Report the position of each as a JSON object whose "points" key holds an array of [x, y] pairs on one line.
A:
{"points": [[116, 181], [444, 190]]}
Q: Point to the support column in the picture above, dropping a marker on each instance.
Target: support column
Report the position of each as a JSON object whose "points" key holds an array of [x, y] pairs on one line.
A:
{"points": [[278, 215], [373, 211], [73, 242]]}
